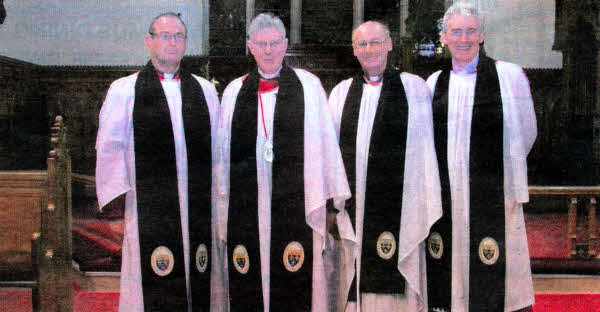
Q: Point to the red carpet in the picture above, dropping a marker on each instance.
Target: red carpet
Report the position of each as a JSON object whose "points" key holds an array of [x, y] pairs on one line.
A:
{"points": [[96, 302], [547, 236], [20, 301], [567, 303]]}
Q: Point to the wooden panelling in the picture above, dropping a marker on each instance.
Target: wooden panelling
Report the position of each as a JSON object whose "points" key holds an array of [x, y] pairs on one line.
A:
{"points": [[22, 198]]}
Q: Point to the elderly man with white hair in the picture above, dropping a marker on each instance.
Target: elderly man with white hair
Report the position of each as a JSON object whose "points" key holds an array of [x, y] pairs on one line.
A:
{"points": [[279, 165], [383, 119], [484, 127]]}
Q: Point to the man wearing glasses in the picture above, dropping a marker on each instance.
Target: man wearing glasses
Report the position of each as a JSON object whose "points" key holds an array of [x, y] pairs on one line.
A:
{"points": [[484, 126], [280, 164], [383, 121], [155, 145]]}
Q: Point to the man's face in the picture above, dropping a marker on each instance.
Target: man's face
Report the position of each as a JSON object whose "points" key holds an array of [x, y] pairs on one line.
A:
{"points": [[463, 37], [371, 46], [268, 48], [167, 52]]}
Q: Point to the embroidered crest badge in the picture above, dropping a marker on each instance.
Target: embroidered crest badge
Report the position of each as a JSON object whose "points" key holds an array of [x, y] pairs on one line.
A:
{"points": [[268, 151], [293, 256], [489, 251], [241, 260], [162, 261], [386, 245], [435, 245], [201, 258]]}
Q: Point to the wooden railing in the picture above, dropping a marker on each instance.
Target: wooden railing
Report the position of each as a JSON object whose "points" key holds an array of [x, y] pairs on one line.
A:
{"points": [[56, 226], [44, 201], [579, 248]]}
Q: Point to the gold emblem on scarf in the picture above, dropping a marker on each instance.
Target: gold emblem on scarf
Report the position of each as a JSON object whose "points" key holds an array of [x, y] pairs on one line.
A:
{"points": [[162, 261], [293, 256], [435, 245], [241, 260], [268, 150], [201, 258], [489, 251], [386, 245]]}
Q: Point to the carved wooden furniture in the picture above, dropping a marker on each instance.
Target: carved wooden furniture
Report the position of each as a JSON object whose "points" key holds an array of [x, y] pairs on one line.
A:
{"points": [[35, 228], [581, 230]]}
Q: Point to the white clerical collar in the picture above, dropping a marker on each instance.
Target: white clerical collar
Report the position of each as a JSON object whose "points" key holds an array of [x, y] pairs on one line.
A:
{"points": [[271, 76], [471, 68], [168, 76], [374, 81]]}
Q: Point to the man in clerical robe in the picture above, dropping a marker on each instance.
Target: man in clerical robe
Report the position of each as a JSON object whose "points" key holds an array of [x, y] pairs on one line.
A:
{"points": [[155, 145], [383, 121], [280, 164], [484, 127]]}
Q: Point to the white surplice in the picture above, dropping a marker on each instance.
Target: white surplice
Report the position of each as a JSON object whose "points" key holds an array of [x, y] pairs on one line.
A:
{"points": [[420, 199], [324, 178], [115, 173], [520, 132]]}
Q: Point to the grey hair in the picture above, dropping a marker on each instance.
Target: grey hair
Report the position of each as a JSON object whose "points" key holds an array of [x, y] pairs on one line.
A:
{"points": [[264, 21], [167, 14], [386, 30], [465, 9]]}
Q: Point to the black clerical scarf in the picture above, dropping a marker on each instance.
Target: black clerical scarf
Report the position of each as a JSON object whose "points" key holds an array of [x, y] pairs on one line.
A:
{"points": [[289, 291], [385, 178], [158, 208], [487, 266]]}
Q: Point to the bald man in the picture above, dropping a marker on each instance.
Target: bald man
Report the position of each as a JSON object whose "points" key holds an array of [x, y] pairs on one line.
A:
{"points": [[383, 122]]}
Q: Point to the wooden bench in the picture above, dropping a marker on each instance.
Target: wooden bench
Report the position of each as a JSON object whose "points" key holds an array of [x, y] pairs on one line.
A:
{"points": [[35, 228]]}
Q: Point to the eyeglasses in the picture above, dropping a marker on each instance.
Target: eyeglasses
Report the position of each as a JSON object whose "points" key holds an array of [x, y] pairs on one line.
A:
{"points": [[273, 44], [373, 43], [166, 37], [457, 33]]}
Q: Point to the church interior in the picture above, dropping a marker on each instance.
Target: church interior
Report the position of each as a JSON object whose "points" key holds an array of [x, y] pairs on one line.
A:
{"points": [[58, 252]]}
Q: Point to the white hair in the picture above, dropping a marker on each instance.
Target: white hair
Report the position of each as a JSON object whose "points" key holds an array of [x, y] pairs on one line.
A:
{"points": [[465, 9], [264, 21]]}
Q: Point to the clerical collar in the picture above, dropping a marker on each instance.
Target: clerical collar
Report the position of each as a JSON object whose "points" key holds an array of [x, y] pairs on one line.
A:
{"points": [[471, 68], [165, 76], [271, 76], [374, 81]]}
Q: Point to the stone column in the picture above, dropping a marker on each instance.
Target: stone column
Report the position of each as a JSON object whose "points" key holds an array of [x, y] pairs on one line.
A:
{"points": [[295, 21], [206, 28], [405, 42], [249, 17], [403, 16], [358, 14], [596, 113]]}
